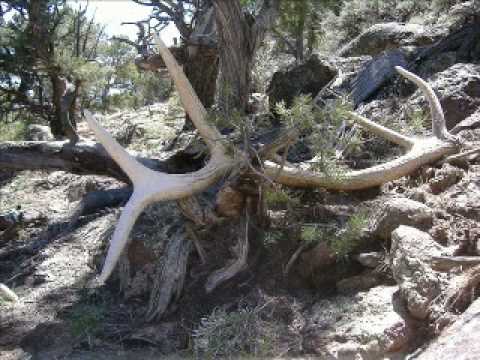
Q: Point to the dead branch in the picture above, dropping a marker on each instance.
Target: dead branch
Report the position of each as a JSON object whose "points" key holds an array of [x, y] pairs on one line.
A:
{"points": [[239, 264], [447, 263], [83, 158], [463, 156], [294, 258], [196, 241]]}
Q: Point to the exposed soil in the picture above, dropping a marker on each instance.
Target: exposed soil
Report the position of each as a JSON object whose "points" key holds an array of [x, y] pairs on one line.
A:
{"points": [[58, 316]]}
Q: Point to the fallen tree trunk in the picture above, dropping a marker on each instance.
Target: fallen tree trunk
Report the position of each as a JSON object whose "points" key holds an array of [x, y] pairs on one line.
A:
{"points": [[83, 158], [96, 200]]}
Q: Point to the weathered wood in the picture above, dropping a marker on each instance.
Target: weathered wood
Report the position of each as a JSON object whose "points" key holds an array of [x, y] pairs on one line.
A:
{"points": [[447, 263], [375, 74], [100, 199], [83, 158]]}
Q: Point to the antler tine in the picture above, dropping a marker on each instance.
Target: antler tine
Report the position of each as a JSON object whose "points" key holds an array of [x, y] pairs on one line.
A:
{"points": [[130, 213], [127, 163], [439, 129], [192, 104], [151, 186]]}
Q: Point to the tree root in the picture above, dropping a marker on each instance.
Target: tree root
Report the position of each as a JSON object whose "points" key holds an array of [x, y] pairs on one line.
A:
{"points": [[226, 273], [170, 275]]}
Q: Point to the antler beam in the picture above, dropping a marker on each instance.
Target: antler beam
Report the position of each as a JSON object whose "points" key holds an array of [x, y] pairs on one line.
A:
{"points": [[151, 186]]}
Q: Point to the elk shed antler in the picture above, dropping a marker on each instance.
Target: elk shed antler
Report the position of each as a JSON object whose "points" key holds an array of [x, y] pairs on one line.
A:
{"points": [[152, 186], [420, 151]]}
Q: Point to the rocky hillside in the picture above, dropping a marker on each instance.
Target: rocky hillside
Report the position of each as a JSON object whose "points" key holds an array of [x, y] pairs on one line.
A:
{"points": [[389, 273]]}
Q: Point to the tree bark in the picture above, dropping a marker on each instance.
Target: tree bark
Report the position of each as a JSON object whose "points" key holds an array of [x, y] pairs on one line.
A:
{"points": [[83, 158], [237, 48], [239, 35], [63, 100]]}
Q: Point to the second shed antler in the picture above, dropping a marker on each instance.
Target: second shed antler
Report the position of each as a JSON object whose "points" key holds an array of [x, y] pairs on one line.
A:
{"points": [[151, 186]]}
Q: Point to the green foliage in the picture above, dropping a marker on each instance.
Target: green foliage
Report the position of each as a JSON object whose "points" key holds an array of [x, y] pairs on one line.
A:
{"points": [[300, 25], [12, 131], [347, 239], [279, 199], [312, 233], [272, 237], [234, 334], [342, 241], [300, 115], [86, 320], [320, 127], [416, 120]]}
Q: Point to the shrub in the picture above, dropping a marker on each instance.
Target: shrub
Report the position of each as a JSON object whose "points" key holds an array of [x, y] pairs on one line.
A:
{"points": [[279, 199], [347, 239], [239, 333], [12, 131], [86, 320]]}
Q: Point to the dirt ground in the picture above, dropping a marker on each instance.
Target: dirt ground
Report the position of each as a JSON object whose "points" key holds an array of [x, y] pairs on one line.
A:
{"points": [[59, 317]]}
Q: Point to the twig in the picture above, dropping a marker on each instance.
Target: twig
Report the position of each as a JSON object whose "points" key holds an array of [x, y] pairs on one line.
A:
{"points": [[226, 273], [294, 258], [285, 139], [196, 241], [461, 156]]}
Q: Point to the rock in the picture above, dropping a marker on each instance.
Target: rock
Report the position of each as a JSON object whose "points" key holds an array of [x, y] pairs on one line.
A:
{"points": [[167, 336], [364, 326], [17, 217], [441, 232], [362, 282], [78, 189], [411, 252], [458, 89], [381, 37], [445, 177], [319, 257], [36, 132], [257, 103], [50, 340], [371, 259], [400, 211], [470, 123], [308, 79], [463, 198], [459, 341], [458, 14], [15, 354], [436, 64], [348, 69]]}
